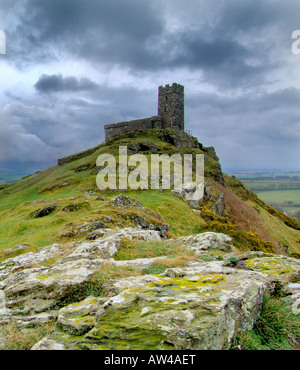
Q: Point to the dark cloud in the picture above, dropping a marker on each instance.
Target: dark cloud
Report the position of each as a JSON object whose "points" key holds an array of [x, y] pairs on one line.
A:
{"points": [[55, 83], [237, 50], [258, 130], [134, 34], [233, 44], [110, 31]]}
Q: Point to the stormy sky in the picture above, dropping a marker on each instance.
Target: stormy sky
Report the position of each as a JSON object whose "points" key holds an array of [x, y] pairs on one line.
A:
{"points": [[72, 66]]}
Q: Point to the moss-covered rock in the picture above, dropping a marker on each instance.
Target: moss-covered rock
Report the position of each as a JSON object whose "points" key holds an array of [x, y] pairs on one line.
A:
{"points": [[200, 307], [192, 308], [284, 268], [77, 318]]}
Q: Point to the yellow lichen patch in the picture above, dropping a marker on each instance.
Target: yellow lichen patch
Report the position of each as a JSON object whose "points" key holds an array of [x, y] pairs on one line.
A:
{"points": [[191, 282], [42, 277], [81, 320], [277, 267]]}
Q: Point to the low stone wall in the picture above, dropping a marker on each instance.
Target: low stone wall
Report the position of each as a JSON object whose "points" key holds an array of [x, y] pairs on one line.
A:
{"points": [[74, 157], [121, 128]]}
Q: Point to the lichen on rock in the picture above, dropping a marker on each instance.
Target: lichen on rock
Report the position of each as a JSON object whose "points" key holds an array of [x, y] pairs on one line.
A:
{"points": [[200, 306]]}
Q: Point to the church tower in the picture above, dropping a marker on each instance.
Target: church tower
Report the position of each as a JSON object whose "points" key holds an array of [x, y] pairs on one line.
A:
{"points": [[171, 105]]}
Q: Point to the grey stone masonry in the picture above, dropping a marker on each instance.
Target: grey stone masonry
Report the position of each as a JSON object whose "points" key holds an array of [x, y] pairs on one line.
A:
{"points": [[171, 105], [170, 114], [121, 128]]}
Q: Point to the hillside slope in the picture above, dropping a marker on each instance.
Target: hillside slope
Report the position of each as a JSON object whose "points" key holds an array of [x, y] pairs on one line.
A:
{"points": [[82, 268], [73, 182]]}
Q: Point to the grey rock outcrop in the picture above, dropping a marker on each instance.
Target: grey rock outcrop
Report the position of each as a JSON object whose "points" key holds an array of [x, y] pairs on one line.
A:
{"points": [[123, 201], [201, 306], [28, 290], [42, 212], [204, 241]]}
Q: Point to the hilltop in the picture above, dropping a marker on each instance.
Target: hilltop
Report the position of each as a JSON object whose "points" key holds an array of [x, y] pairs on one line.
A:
{"points": [[68, 248], [73, 182]]}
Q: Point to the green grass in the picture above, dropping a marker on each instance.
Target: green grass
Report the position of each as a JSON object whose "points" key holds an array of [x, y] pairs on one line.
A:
{"points": [[175, 212], [59, 184], [276, 329], [284, 235], [18, 227], [18, 200], [133, 249]]}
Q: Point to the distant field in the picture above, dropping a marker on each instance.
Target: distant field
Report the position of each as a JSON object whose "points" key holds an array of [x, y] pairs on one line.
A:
{"points": [[284, 200], [272, 185], [280, 190], [280, 196], [268, 176]]}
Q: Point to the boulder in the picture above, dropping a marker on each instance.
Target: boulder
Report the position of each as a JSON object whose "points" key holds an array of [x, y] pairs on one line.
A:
{"points": [[42, 212], [201, 306], [28, 290], [35, 319], [219, 206], [196, 308], [5, 314], [145, 146], [179, 138], [27, 260], [82, 167], [122, 201], [42, 289], [48, 344], [204, 241], [292, 298], [76, 318], [190, 193], [76, 206], [286, 269]]}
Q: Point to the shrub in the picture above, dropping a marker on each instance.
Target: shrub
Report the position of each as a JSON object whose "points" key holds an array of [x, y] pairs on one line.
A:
{"points": [[289, 221], [242, 239]]}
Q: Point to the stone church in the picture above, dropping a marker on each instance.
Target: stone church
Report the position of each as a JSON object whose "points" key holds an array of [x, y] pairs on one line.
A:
{"points": [[170, 114]]}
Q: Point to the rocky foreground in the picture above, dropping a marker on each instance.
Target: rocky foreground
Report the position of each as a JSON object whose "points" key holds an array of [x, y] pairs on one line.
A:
{"points": [[200, 306]]}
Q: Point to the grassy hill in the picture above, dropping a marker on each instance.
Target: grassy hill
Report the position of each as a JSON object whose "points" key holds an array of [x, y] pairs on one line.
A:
{"points": [[63, 203], [280, 190]]}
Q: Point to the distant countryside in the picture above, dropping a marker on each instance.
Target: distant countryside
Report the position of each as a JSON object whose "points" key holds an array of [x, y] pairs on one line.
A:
{"points": [[280, 190], [7, 176]]}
